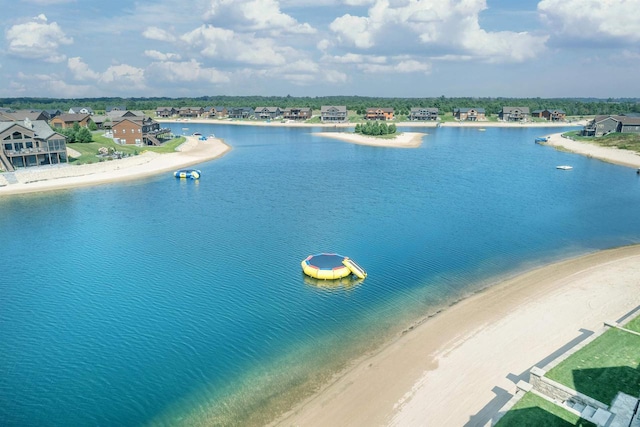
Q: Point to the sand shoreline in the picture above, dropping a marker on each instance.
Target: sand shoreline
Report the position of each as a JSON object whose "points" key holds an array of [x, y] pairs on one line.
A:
{"points": [[460, 366], [190, 153], [607, 154], [402, 140]]}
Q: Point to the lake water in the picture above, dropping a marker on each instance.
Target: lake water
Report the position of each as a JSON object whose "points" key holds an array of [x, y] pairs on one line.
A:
{"points": [[161, 301]]}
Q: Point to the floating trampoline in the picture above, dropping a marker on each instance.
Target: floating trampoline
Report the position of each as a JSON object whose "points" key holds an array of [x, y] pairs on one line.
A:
{"points": [[331, 267], [188, 174]]}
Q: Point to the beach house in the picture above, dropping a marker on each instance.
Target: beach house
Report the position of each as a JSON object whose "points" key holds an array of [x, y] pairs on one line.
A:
{"points": [[551, 115], [379, 114], [267, 113], [424, 114], [139, 131], [190, 112], [64, 121], [470, 114], [29, 143], [165, 112], [297, 113], [240, 112], [333, 113], [514, 114], [604, 125], [80, 110]]}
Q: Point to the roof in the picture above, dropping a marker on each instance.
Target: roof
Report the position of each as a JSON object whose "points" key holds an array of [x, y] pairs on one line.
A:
{"points": [[40, 128], [70, 118], [76, 110], [269, 109], [466, 110], [386, 110], [629, 121], [524, 110], [340, 108], [116, 108]]}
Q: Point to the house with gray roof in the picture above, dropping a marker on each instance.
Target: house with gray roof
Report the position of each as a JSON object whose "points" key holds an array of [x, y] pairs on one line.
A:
{"points": [[240, 112], [553, 115], [514, 114], [267, 113], [115, 108], [293, 113], [165, 112], [333, 113], [423, 114], [604, 125], [80, 110], [29, 143], [470, 114]]}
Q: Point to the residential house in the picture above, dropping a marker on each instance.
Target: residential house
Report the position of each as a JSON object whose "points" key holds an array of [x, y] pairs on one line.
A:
{"points": [[514, 114], [32, 115], [119, 114], [165, 112], [422, 113], [551, 115], [139, 131], [218, 112], [80, 110], [52, 113], [240, 112], [379, 114], [297, 113], [64, 121], [100, 121], [29, 143], [604, 125], [115, 108], [469, 114], [267, 113], [190, 112], [333, 113]]}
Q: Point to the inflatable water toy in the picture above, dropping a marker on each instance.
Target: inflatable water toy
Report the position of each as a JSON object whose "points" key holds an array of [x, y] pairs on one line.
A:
{"points": [[188, 174], [331, 267]]}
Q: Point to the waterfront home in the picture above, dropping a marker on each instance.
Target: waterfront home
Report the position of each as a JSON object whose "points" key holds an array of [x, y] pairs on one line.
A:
{"points": [[119, 114], [551, 115], [604, 125], [29, 143], [218, 112], [514, 114], [165, 112], [139, 131], [470, 114], [423, 114], [80, 110], [267, 113], [240, 112], [64, 121], [379, 114], [190, 112], [115, 108], [333, 113], [297, 113]]}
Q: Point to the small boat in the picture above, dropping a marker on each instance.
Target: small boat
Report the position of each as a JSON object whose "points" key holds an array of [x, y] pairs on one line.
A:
{"points": [[188, 174], [541, 139], [482, 130], [564, 167], [197, 134]]}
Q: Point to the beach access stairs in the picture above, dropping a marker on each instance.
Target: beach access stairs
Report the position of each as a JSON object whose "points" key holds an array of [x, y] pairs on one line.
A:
{"points": [[6, 164], [153, 140]]}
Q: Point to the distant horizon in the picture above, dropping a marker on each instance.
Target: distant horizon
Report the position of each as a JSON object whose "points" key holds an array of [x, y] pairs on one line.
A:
{"points": [[408, 48]]}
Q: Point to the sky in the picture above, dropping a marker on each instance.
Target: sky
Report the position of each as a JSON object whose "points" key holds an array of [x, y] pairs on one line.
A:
{"points": [[382, 48]]}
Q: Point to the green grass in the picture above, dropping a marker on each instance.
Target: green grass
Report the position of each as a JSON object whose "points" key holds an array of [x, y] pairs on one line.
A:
{"points": [[628, 141], [89, 151], [534, 411], [634, 325], [609, 364]]}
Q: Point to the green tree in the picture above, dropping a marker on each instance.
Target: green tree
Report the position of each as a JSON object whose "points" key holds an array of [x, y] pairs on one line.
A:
{"points": [[92, 126], [84, 136]]}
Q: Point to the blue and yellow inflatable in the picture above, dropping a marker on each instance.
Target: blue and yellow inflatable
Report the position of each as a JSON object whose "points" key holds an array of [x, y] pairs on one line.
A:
{"points": [[188, 174]]}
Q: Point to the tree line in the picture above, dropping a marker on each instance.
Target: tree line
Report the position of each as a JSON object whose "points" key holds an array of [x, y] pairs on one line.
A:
{"points": [[571, 106], [375, 128]]}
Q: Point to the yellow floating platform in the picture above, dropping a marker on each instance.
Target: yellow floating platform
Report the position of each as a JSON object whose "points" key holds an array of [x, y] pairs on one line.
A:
{"points": [[331, 267]]}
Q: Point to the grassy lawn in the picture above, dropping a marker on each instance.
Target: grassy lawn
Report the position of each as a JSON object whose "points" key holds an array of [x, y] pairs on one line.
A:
{"points": [[89, 151], [609, 364], [634, 325], [534, 411], [628, 141]]}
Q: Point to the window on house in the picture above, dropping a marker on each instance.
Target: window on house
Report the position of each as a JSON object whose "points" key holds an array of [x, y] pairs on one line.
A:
{"points": [[8, 147]]}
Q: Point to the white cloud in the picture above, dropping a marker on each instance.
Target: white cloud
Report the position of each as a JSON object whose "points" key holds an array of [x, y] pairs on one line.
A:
{"points": [[255, 15], [155, 33], [222, 44], [434, 27], [37, 39], [593, 19], [159, 56], [186, 71], [80, 70]]}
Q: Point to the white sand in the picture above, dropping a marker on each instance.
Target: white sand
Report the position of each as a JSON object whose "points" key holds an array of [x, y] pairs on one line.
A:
{"points": [[607, 154], [450, 368], [402, 140], [192, 152]]}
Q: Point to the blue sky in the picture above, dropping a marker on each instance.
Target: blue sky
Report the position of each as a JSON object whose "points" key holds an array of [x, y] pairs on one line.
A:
{"points": [[390, 48]]}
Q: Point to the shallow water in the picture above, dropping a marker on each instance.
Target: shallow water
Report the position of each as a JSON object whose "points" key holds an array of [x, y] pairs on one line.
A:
{"points": [[164, 301]]}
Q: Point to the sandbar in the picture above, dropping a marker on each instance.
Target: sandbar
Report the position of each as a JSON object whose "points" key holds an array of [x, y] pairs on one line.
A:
{"points": [[402, 140], [608, 154], [460, 366], [193, 151]]}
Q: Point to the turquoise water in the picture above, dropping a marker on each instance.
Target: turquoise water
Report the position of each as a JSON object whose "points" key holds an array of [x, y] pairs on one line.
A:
{"points": [[165, 302]]}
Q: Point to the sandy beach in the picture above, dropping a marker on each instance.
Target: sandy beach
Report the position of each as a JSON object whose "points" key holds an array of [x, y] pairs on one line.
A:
{"points": [[402, 140], [191, 152], [608, 154], [460, 366]]}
